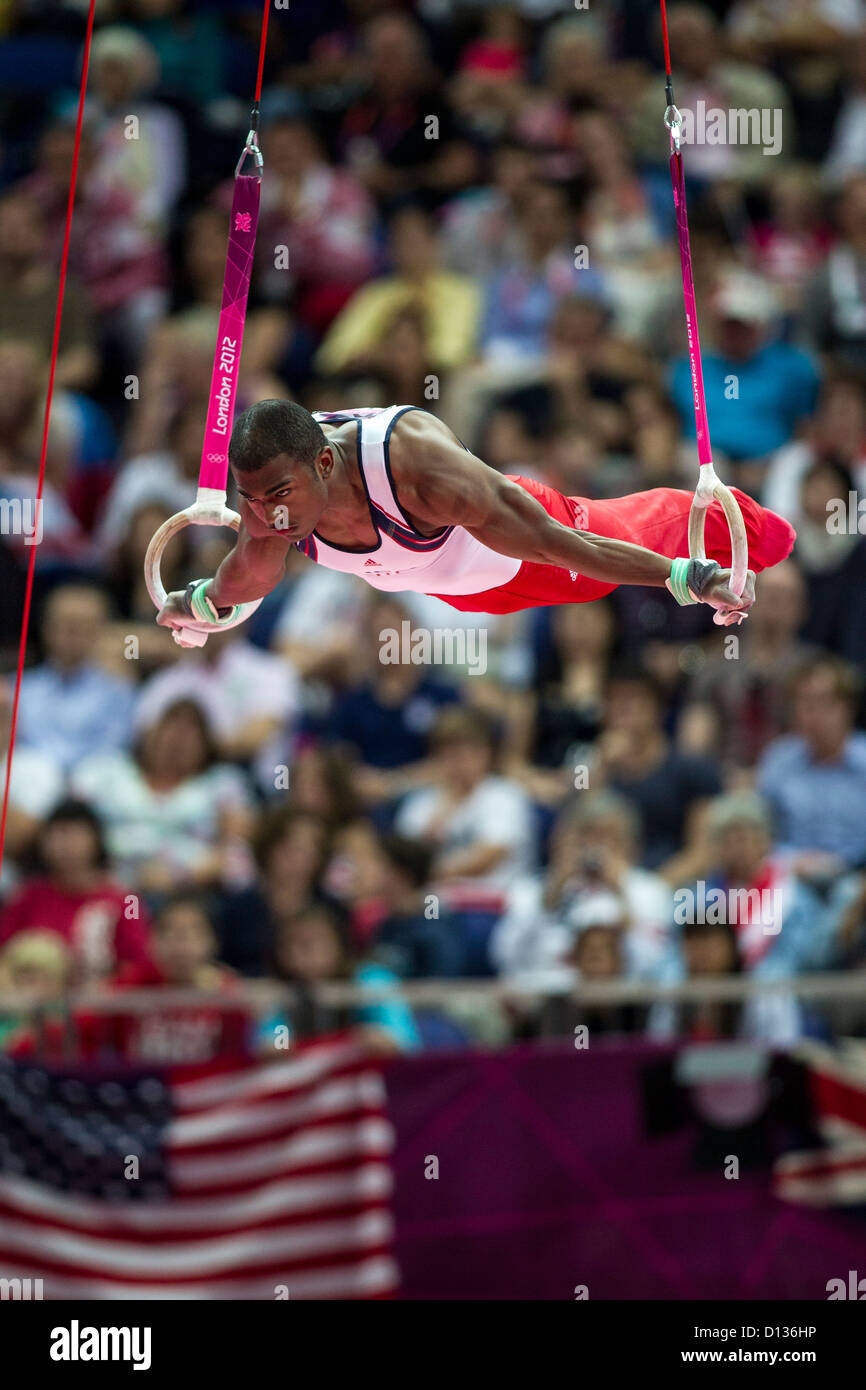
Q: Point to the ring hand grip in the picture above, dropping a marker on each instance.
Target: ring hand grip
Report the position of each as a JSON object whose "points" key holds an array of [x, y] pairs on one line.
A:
{"points": [[709, 489], [210, 512]]}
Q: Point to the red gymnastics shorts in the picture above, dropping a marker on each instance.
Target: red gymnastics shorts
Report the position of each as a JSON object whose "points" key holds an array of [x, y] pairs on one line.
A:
{"points": [[657, 520]]}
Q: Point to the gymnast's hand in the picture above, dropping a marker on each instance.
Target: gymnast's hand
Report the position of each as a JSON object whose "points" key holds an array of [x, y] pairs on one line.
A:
{"points": [[173, 612], [729, 607]]}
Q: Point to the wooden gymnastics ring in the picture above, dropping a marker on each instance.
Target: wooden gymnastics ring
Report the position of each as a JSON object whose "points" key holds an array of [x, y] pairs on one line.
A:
{"points": [[709, 489], [208, 509]]}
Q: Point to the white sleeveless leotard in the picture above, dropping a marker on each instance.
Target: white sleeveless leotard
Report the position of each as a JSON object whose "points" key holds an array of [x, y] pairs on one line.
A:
{"points": [[450, 562]]}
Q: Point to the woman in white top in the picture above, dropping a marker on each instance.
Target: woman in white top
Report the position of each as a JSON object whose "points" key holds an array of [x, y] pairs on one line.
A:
{"points": [[480, 825], [174, 814]]}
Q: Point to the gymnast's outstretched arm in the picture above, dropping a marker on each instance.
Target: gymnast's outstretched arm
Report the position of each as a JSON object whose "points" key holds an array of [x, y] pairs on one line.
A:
{"points": [[441, 484]]}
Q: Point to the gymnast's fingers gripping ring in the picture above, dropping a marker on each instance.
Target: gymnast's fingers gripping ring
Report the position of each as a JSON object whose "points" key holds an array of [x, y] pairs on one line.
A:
{"points": [[209, 509], [710, 489]]}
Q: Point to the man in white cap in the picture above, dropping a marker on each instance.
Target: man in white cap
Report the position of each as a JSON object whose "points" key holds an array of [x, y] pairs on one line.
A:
{"points": [[757, 387]]}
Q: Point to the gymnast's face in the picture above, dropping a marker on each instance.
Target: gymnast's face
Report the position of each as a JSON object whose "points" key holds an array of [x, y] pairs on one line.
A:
{"points": [[286, 496]]}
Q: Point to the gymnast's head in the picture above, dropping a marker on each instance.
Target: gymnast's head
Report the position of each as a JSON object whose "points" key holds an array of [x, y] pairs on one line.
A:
{"points": [[281, 462]]}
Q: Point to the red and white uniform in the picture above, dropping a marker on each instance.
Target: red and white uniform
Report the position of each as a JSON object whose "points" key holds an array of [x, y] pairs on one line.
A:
{"points": [[467, 574]]}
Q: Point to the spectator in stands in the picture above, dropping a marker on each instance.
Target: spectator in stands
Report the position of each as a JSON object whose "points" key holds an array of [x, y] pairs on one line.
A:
{"points": [[552, 724], [417, 938], [312, 949], [184, 956], [581, 367], [622, 227], [488, 88], [35, 787], [354, 878], [477, 821], [772, 28], [592, 948], [710, 951], [794, 240], [401, 363], [757, 388], [781, 927], [815, 777], [70, 707], [79, 457], [316, 627], [174, 815], [659, 456], [387, 717], [834, 312], [28, 294], [384, 135], [737, 701], [831, 550], [323, 214], [520, 297], [251, 696], [598, 954], [849, 914], [190, 44], [835, 434], [576, 76], [167, 477], [449, 304], [804, 44], [634, 756], [594, 848], [322, 781], [478, 824], [291, 850], [847, 152], [703, 72], [24, 369], [35, 973], [183, 949], [480, 227], [117, 250], [73, 893], [152, 162]]}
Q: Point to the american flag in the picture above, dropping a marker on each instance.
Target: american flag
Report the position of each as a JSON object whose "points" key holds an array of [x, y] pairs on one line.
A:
{"points": [[265, 1181]]}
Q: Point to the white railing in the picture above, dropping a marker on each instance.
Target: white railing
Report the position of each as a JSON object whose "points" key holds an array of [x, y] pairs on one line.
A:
{"points": [[264, 994]]}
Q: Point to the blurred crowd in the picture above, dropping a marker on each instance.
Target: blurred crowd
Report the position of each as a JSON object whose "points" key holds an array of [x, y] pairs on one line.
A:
{"points": [[466, 207]]}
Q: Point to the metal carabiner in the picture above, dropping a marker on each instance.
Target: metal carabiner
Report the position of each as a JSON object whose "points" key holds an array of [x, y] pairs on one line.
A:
{"points": [[674, 123], [251, 148]]}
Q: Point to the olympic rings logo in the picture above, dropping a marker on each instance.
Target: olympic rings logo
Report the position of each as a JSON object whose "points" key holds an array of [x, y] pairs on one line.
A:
{"points": [[214, 458]]}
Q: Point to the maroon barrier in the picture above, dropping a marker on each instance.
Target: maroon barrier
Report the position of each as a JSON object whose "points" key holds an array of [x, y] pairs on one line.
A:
{"points": [[605, 1168]]}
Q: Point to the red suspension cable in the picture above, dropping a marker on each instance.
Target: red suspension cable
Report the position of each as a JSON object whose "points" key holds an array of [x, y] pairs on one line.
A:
{"points": [[262, 45], [665, 39], [55, 346]]}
